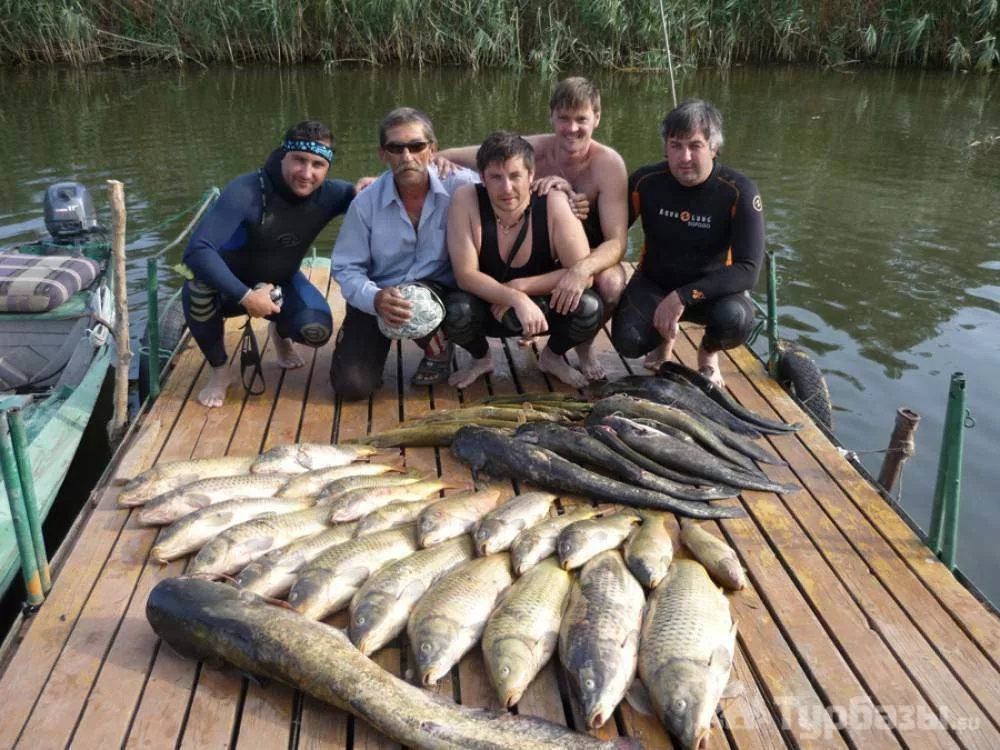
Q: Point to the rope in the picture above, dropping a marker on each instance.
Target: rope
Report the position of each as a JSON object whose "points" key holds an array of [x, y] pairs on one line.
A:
{"points": [[209, 195], [250, 360]]}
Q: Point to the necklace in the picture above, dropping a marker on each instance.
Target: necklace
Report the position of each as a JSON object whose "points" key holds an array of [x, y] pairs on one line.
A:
{"points": [[507, 229]]}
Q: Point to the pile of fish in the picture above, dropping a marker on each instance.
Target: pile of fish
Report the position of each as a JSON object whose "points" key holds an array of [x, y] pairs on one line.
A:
{"points": [[446, 573]]}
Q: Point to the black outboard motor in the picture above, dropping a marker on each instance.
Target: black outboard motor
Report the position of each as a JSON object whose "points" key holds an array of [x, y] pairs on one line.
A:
{"points": [[69, 212]]}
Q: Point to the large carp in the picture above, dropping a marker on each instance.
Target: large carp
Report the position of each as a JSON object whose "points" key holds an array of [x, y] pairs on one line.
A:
{"points": [[488, 451], [165, 477], [215, 622]]}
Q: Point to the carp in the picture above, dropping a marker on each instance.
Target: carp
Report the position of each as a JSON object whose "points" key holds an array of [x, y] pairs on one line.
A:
{"points": [[301, 457], [165, 477]]}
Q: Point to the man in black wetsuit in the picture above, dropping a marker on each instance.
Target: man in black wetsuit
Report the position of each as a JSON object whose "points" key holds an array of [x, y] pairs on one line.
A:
{"points": [[704, 243], [254, 238], [509, 249]]}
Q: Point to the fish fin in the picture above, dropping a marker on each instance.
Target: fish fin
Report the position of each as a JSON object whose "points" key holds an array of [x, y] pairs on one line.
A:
{"points": [[734, 689], [638, 698]]}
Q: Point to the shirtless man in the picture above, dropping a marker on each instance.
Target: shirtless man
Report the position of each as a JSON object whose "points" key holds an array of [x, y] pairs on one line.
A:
{"points": [[569, 158], [509, 250], [704, 245], [254, 237]]}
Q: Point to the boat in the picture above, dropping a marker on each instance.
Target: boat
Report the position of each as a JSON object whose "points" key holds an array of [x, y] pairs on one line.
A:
{"points": [[56, 316]]}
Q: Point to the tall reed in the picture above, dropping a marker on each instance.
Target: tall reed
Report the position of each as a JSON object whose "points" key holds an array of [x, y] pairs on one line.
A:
{"points": [[547, 34]]}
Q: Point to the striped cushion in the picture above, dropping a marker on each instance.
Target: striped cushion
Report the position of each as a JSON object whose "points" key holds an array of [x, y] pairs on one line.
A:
{"points": [[38, 283]]}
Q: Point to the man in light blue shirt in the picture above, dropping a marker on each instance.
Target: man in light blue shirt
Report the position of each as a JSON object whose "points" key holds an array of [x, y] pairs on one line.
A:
{"points": [[394, 232]]}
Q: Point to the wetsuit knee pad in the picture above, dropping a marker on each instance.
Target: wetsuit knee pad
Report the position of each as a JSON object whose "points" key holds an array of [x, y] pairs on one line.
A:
{"points": [[201, 302], [586, 319], [632, 333], [310, 327], [465, 316], [728, 323]]}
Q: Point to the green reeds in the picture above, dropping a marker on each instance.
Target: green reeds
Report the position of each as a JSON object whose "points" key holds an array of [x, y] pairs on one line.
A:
{"points": [[551, 35]]}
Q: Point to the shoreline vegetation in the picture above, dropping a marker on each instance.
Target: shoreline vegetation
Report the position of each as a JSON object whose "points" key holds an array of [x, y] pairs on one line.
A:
{"points": [[514, 34]]}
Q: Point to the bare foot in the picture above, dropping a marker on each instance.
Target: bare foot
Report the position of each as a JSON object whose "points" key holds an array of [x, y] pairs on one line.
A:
{"points": [[214, 392], [589, 366], [657, 357], [284, 349], [466, 376], [708, 365], [555, 365]]}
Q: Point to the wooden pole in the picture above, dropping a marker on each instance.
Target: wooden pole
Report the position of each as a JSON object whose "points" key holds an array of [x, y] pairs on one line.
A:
{"points": [[901, 447], [116, 192]]}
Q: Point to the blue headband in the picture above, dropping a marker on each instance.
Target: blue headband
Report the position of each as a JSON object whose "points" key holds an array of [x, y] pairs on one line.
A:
{"points": [[312, 147]]}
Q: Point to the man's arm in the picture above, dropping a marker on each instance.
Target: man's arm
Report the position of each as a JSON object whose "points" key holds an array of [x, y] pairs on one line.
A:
{"points": [[351, 259]]}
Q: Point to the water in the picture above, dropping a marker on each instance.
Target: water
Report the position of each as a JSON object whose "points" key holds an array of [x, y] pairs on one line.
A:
{"points": [[885, 218]]}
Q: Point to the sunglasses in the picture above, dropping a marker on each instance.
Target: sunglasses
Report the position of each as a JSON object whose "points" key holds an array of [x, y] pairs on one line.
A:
{"points": [[414, 147]]}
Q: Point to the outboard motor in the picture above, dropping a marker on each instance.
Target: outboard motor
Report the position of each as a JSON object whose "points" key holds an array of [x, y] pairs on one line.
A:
{"points": [[69, 212]]}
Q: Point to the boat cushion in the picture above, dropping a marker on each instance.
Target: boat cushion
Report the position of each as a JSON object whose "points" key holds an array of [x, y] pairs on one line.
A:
{"points": [[39, 283]]}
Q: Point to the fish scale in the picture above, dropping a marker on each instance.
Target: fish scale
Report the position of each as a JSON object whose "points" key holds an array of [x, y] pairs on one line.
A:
{"points": [[686, 651], [536, 543], [599, 637], [391, 516], [649, 550], [450, 617], [178, 503], [313, 482], [582, 540], [297, 458], [454, 515], [165, 477]]}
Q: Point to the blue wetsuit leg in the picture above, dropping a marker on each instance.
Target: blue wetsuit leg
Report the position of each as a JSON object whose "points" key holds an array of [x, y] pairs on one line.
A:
{"points": [[305, 316]]}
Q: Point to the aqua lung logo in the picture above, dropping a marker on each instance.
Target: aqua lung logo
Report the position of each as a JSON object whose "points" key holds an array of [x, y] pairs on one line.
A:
{"points": [[698, 221], [289, 239], [758, 204]]}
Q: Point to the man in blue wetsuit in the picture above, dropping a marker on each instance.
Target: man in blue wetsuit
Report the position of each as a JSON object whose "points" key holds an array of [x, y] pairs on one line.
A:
{"points": [[255, 238], [704, 244]]}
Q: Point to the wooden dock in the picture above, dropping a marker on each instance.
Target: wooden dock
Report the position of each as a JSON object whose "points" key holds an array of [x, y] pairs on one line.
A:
{"points": [[851, 633]]}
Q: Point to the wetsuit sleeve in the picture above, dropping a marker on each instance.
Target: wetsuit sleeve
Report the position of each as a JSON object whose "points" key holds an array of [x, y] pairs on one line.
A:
{"points": [[238, 204], [352, 258], [746, 252]]}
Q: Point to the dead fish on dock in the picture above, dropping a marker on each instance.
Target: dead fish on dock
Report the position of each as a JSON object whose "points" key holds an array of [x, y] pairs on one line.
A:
{"points": [[165, 477], [487, 451], [300, 457], [314, 482], [599, 636], [356, 504], [189, 533], [339, 487], [719, 559], [454, 515], [449, 619], [522, 633], [650, 550], [176, 504], [434, 434], [214, 622], [537, 542], [498, 528], [582, 540], [685, 653], [393, 516]]}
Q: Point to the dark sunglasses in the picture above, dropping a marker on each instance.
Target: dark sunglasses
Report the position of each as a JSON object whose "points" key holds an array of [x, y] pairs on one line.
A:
{"points": [[414, 147]]}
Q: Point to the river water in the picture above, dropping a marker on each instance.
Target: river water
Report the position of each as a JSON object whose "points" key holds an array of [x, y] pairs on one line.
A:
{"points": [[881, 193]]}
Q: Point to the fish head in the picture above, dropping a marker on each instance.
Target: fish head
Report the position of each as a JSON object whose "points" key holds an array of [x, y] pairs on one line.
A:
{"points": [[686, 701], [468, 448], [597, 702], [512, 668], [485, 533], [367, 618], [430, 643], [430, 520]]}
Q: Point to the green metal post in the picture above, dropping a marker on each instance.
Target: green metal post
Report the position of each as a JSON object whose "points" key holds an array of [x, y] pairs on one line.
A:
{"points": [[29, 565], [943, 536], [19, 439], [772, 315], [153, 327]]}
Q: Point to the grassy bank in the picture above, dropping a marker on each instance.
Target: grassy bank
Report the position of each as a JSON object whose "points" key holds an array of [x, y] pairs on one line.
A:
{"points": [[955, 34]]}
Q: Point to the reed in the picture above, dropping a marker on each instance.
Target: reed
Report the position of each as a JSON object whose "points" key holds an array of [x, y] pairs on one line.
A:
{"points": [[547, 34]]}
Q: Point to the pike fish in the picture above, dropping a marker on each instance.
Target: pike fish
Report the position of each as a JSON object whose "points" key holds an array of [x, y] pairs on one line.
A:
{"points": [[454, 515], [574, 444], [649, 550], [178, 503], [674, 453], [359, 503], [599, 636], [686, 651], [274, 573], [522, 634], [327, 584], [435, 434], [537, 542], [301, 457], [189, 533], [339, 487], [582, 540], [381, 607], [476, 414], [311, 483], [393, 515], [239, 546], [719, 559], [497, 529], [214, 622], [165, 477], [449, 619], [486, 451]]}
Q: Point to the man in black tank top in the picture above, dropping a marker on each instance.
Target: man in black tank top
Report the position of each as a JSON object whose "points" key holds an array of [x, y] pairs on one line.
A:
{"points": [[704, 243], [509, 250]]}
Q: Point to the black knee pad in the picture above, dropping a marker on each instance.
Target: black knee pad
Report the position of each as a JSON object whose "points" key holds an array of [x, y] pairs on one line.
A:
{"points": [[311, 327], [729, 324], [463, 317], [586, 319]]}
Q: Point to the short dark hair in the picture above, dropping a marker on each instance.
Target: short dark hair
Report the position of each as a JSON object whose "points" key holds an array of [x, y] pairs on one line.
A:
{"points": [[311, 130], [692, 115], [404, 116], [575, 93], [501, 146]]}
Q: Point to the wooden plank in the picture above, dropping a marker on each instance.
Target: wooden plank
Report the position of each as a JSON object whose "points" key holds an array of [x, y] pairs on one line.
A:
{"points": [[747, 716]]}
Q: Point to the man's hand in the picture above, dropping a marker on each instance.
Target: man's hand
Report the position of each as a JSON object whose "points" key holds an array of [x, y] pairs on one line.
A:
{"points": [[444, 167], [392, 306], [530, 315], [258, 302], [667, 317], [362, 183], [577, 201], [568, 290]]}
